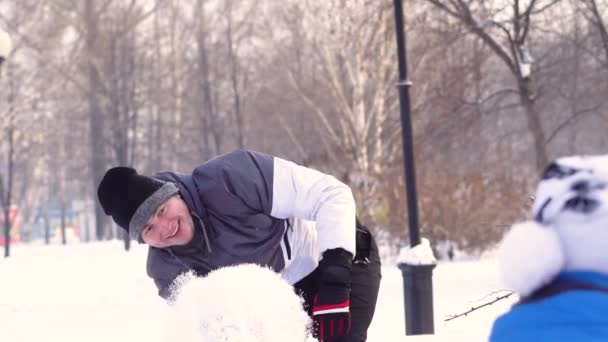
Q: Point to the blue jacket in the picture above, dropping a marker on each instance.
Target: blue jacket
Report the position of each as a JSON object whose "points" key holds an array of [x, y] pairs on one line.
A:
{"points": [[573, 315], [249, 207]]}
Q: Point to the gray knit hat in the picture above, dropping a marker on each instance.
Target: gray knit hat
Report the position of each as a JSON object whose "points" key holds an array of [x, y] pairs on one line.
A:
{"points": [[131, 199]]}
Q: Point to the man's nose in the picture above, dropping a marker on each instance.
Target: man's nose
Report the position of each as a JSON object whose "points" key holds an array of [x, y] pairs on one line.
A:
{"points": [[163, 224]]}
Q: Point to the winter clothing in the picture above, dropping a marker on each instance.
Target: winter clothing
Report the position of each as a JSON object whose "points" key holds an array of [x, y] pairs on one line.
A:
{"points": [[575, 314], [365, 284], [249, 207], [331, 305], [131, 198], [253, 208], [557, 263]]}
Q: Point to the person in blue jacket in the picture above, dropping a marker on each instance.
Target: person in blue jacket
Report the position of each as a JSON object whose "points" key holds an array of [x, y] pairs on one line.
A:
{"points": [[557, 262], [250, 207], [572, 308]]}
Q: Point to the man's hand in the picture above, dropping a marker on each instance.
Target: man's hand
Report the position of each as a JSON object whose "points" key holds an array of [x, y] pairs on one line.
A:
{"points": [[331, 305]]}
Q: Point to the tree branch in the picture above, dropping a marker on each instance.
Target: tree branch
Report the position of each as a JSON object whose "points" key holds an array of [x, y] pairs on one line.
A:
{"points": [[475, 308], [569, 120]]}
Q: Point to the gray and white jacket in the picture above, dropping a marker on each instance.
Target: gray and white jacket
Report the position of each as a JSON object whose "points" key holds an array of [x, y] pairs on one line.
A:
{"points": [[250, 207]]}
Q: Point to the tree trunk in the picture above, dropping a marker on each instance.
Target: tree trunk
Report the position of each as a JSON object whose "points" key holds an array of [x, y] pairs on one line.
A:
{"points": [[207, 114], [234, 79], [7, 231], [534, 124], [95, 118], [47, 226], [127, 240], [63, 223], [7, 191], [86, 225], [7, 200]]}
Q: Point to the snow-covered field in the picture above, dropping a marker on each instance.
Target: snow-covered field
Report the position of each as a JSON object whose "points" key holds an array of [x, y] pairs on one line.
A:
{"points": [[98, 292]]}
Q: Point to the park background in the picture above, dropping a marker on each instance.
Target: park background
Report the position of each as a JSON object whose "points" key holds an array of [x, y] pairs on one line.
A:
{"points": [[498, 89]]}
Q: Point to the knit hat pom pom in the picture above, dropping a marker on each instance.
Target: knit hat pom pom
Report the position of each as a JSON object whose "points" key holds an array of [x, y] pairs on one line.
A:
{"points": [[530, 256]]}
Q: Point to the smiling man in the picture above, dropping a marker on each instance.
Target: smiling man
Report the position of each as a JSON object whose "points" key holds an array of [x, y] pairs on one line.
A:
{"points": [[170, 225], [249, 207]]}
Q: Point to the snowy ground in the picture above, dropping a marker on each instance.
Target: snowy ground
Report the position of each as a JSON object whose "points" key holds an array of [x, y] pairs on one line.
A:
{"points": [[98, 292]]}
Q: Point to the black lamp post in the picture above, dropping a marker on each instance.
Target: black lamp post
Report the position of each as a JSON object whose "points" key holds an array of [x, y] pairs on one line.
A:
{"points": [[417, 279]]}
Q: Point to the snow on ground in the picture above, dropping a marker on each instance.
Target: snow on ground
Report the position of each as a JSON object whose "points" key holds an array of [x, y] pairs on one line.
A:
{"points": [[97, 292]]}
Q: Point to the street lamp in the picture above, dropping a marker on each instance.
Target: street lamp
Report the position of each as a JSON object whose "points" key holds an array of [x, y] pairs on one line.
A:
{"points": [[5, 46], [417, 276]]}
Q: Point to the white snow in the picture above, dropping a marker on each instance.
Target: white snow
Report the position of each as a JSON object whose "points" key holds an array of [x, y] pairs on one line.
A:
{"points": [[239, 303], [98, 292], [421, 254]]}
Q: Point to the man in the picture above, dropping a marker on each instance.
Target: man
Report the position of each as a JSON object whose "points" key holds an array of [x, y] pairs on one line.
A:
{"points": [[249, 207]]}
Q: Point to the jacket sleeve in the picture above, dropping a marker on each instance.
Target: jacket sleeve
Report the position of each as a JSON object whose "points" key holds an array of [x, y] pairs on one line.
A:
{"points": [[243, 175], [163, 269], [164, 288], [283, 189], [309, 194]]}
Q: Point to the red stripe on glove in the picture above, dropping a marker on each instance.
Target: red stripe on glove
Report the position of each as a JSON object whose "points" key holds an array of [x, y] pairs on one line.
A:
{"points": [[339, 307]]}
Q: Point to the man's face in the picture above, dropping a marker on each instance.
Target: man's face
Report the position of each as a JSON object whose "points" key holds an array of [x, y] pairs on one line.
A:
{"points": [[171, 225]]}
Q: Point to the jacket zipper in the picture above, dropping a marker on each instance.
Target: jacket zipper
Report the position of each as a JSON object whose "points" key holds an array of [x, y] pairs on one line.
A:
{"points": [[286, 240]]}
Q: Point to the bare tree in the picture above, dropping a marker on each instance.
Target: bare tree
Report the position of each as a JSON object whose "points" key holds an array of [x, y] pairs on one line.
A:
{"points": [[506, 31], [90, 27], [111, 88], [6, 190], [593, 11], [349, 87], [122, 100], [206, 106], [17, 129], [157, 87]]}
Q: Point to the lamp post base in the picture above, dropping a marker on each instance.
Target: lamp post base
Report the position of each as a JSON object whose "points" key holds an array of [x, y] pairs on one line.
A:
{"points": [[418, 298]]}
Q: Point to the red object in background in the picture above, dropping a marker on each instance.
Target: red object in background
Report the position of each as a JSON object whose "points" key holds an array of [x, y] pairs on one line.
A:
{"points": [[14, 219], [14, 240]]}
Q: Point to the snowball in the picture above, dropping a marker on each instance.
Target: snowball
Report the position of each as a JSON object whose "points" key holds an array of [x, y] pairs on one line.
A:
{"points": [[245, 303]]}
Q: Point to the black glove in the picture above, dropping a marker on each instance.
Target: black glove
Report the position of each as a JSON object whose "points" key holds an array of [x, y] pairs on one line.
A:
{"points": [[331, 304]]}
